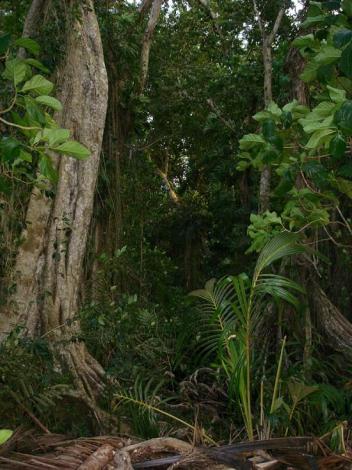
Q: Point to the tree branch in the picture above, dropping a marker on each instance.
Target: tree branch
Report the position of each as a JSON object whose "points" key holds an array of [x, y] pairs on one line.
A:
{"points": [[218, 113], [147, 41], [145, 6], [276, 26]]}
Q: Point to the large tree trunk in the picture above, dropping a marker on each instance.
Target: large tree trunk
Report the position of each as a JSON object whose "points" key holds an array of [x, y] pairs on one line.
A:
{"points": [[50, 259], [336, 329]]}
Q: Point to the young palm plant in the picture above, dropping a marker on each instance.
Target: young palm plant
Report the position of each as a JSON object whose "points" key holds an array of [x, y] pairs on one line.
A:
{"points": [[232, 309]]}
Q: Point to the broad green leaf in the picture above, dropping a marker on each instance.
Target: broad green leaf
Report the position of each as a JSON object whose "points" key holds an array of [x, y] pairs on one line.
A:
{"points": [[315, 9], [297, 110], [15, 71], [342, 37], [28, 44], [54, 137], [9, 149], [38, 85], [46, 168], [325, 109], [327, 55], [35, 114], [49, 101], [310, 72], [336, 94], [305, 41], [251, 140], [343, 117], [345, 63], [73, 149], [311, 126], [268, 129], [5, 40], [38, 65], [313, 20], [262, 116], [274, 109], [320, 137], [25, 156], [337, 146], [5, 435], [287, 119], [325, 73]]}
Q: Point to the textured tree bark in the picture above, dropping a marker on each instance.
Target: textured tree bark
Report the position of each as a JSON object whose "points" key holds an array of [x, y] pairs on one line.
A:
{"points": [[335, 327], [268, 39], [147, 41], [50, 259]]}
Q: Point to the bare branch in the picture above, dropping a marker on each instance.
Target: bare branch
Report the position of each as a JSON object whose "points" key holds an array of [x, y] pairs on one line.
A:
{"points": [[173, 195], [276, 26]]}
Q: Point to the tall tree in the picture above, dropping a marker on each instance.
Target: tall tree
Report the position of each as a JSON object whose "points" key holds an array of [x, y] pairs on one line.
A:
{"points": [[49, 262]]}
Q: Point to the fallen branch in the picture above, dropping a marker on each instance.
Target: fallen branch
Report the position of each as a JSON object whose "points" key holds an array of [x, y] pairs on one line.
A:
{"points": [[99, 458]]}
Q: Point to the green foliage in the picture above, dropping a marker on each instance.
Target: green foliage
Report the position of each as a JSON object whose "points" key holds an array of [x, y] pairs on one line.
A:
{"points": [[29, 384], [205, 81], [141, 405], [137, 326], [5, 435], [307, 148], [28, 142], [232, 312]]}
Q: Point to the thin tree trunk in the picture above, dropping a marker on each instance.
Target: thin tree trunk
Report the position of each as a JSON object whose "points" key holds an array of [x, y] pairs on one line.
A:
{"points": [[33, 21], [147, 42], [267, 42], [265, 177], [50, 260]]}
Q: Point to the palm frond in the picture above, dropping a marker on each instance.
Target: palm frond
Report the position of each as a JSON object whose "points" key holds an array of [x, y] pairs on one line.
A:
{"points": [[282, 245], [145, 398]]}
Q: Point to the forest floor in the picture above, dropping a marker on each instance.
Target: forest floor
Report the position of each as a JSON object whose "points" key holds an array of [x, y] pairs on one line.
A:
{"points": [[28, 450]]}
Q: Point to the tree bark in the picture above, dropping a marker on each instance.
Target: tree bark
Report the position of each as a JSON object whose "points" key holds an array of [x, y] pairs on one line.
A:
{"points": [[50, 259], [147, 42], [335, 327]]}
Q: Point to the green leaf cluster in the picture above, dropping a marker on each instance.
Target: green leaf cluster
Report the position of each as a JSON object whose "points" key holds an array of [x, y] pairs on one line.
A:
{"points": [[32, 135]]}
